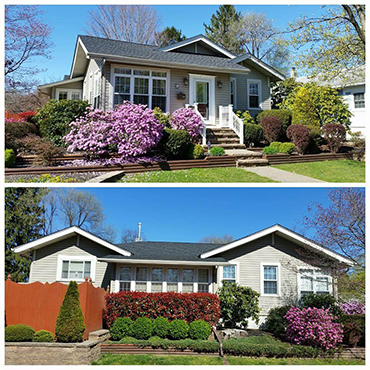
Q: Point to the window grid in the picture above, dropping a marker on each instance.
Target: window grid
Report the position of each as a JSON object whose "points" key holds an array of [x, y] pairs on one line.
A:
{"points": [[270, 279], [253, 94], [359, 99], [81, 269], [314, 281]]}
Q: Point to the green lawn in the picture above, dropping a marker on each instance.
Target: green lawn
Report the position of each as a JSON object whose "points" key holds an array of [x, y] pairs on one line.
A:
{"points": [[226, 174], [330, 171], [110, 359]]}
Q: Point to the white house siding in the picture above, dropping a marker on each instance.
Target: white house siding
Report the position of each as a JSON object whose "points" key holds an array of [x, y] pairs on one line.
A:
{"points": [[44, 267], [88, 83], [358, 120], [242, 91], [176, 77], [249, 258]]}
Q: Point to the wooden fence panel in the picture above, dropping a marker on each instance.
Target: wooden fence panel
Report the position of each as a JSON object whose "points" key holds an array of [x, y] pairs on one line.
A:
{"points": [[38, 304], [14, 116]]}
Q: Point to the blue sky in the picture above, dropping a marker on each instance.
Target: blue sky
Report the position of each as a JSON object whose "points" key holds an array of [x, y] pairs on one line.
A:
{"points": [[70, 20], [188, 214]]}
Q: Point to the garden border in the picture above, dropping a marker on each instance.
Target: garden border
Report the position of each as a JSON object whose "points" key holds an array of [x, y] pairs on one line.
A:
{"points": [[208, 162], [294, 158]]}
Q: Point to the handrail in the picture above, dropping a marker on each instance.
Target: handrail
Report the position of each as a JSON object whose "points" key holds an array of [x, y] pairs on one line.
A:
{"points": [[228, 118], [202, 130]]}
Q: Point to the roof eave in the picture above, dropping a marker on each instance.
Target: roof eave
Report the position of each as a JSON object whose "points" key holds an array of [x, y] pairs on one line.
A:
{"points": [[140, 61], [63, 82], [164, 262]]}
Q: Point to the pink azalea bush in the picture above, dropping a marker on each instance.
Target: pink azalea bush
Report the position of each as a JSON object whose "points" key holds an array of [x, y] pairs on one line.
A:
{"points": [[352, 308], [130, 129], [313, 327], [187, 119]]}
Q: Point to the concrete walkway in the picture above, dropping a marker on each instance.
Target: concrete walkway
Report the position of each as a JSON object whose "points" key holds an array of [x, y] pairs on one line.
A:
{"points": [[280, 175]]}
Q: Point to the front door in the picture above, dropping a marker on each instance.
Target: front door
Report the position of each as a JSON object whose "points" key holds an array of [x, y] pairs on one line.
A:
{"points": [[202, 92]]}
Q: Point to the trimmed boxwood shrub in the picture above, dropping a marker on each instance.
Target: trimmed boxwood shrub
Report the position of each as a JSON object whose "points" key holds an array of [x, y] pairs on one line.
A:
{"points": [[275, 145], [284, 115], [179, 329], [174, 144], [9, 157], [299, 135], [199, 329], [70, 325], [286, 148], [275, 322], [19, 333], [253, 134], [161, 326], [18, 130], [195, 151], [54, 117], [122, 327], [217, 151], [43, 336], [269, 150], [188, 307], [142, 328]]}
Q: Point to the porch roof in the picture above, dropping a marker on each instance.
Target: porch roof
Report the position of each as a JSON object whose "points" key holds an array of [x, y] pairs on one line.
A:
{"points": [[165, 252]]}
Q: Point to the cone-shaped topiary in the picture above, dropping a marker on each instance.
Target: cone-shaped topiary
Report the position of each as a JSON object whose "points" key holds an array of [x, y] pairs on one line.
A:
{"points": [[70, 323], [304, 110]]}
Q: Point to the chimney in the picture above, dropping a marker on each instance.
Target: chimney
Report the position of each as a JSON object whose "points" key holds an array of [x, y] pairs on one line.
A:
{"points": [[139, 239], [293, 73]]}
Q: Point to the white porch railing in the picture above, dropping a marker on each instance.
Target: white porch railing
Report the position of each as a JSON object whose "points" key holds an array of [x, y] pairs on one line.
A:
{"points": [[227, 118], [203, 130]]}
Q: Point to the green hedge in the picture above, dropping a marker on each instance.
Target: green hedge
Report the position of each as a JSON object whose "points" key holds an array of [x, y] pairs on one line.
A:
{"points": [[161, 326], [142, 328], [121, 328], [19, 333], [179, 329], [199, 329]]}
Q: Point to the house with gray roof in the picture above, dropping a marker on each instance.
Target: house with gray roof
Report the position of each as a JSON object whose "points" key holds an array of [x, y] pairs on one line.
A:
{"points": [[279, 263], [195, 72]]}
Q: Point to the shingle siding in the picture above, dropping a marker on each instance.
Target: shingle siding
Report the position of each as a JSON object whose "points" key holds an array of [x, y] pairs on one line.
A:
{"points": [[44, 268]]}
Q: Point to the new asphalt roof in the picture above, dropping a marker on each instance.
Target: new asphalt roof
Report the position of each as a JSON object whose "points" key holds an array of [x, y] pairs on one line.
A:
{"points": [[167, 251], [115, 48]]}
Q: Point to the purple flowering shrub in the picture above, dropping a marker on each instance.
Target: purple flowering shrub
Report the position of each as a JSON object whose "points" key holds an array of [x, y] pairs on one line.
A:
{"points": [[352, 308], [187, 119], [313, 327], [130, 129]]}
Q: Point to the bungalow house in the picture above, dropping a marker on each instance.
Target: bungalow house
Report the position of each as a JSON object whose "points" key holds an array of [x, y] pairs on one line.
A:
{"points": [[275, 262], [195, 72]]}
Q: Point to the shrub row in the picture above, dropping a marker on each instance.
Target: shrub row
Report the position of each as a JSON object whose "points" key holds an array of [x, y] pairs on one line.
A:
{"points": [[24, 333], [161, 327], [189, 307]]}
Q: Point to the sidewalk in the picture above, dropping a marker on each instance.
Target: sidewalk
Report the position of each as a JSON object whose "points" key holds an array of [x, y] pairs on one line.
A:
{"points": [[280, 175]]}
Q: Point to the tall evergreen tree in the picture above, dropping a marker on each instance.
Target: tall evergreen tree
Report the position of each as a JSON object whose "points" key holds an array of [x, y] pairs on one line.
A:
{"points": [[169, 36], [218, 30], [24, 222]]}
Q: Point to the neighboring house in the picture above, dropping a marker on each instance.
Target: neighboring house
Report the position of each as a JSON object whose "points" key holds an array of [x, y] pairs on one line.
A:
{"points": [[352, 88], [195, 71], [273, 261]]}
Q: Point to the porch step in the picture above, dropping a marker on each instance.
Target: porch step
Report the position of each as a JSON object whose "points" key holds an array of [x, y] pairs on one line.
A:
{"points": [[223, 140], [243, 153], [252, 162], [227, 146]]}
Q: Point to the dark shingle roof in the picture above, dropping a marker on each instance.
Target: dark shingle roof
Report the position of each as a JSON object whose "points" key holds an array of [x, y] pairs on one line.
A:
{"points": [[168, 251], [102, 46]]}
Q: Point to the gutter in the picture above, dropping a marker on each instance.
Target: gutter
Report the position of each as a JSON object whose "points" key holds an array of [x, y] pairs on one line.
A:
{"points": [[163, 262]]}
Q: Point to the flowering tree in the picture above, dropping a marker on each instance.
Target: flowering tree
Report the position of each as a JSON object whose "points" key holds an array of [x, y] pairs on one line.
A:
{"points": [[130, 129], [187, 119], [352, 308], [313, 327]]}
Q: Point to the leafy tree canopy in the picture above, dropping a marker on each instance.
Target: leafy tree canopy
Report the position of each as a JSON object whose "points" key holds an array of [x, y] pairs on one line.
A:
{"points": [[168, 36]]}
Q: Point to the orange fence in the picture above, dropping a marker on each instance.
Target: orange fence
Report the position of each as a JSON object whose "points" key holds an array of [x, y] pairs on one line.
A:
{"points": [[38, 304], [15, 116]]}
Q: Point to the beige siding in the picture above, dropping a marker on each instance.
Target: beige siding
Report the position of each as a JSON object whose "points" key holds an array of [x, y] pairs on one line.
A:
{"points": [[250, 256], [242, 90], [73, 85], [93, 66], [44, 268], [222, 95]]}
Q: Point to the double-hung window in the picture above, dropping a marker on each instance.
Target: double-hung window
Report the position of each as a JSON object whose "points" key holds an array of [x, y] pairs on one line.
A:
{"points": [[141, 87], [203, 280], [141, 279], [254, 94], [314, 281], [270, 279], [229, 273], [68, 94], [157, 279], [187, 280], [172, 279], [125, 278], [75, 268], [359, 99]]}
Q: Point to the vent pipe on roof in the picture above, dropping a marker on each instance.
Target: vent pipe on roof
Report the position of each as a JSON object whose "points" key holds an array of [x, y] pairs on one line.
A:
{"points": [[139, 239]]}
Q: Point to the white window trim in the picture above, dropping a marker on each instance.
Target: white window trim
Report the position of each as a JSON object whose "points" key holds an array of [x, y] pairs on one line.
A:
{"points": [[237, 272], [62, 257], [132, 79], [259, 82], [68, 91], [262, 278], [299, 275], [233, 79]]}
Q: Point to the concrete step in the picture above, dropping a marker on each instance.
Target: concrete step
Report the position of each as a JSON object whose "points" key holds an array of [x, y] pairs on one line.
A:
{"points": [[243, 153], [252, 162], [227, 146], [224, 140]]}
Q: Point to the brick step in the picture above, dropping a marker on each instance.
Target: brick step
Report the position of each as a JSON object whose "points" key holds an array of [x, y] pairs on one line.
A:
{"points": [[252, 162]]}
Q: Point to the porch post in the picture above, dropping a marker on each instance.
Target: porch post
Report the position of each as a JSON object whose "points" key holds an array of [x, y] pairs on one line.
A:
{"points": [[231, 115], [220, 115]]}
